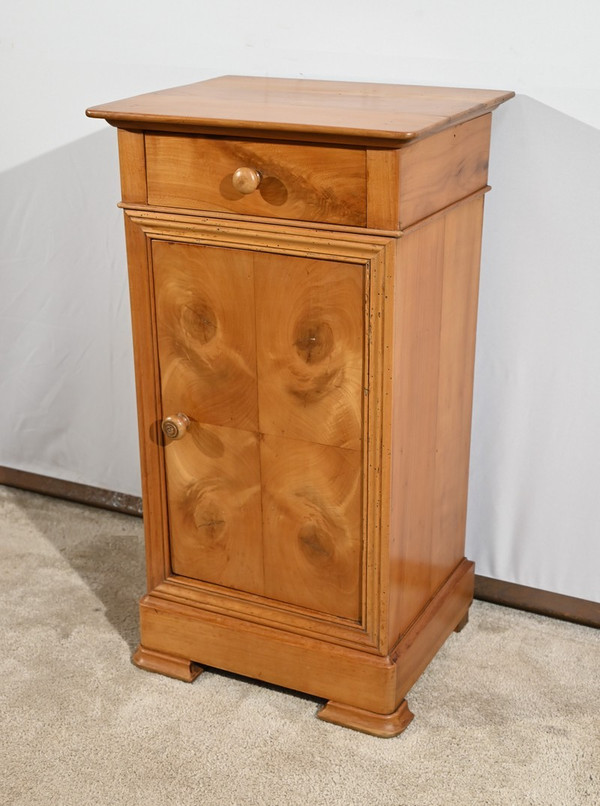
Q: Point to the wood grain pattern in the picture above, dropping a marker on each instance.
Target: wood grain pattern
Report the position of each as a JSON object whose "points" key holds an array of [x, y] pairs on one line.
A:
{"points": [[206, 333], [290, 507], [304, 663], [385, 726], [438, 271], [320, 110], [435, 623], [343, 250], [312, 525], [310, 341], [462, 239], [307, 529], [132, 162], [418, 300], [383, 198], [148, 393], [367, 681], [214, 494], [169, 665], [314, 183], [438, 171]]}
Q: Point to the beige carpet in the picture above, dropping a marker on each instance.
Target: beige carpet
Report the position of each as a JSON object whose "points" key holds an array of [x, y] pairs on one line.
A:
{"points": [[508, 712]]}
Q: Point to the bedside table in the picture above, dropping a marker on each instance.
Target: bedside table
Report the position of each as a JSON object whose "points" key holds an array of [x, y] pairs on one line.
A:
{"points": [[303, 261]]}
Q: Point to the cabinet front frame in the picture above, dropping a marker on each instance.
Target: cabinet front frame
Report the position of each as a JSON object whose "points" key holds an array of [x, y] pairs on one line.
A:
{"points": [[376, 254]]}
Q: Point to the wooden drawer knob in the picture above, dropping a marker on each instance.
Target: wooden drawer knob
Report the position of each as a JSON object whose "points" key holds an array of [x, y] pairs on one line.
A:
{"points": [[246, 180], [175, 425]]}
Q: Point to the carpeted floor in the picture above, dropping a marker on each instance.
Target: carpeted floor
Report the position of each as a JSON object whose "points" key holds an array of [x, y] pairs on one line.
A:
{"points": [[508, 712]]}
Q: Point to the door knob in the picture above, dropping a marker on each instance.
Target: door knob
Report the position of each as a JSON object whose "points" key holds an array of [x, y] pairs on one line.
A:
{"points": [[175, 425], [246, 180]]}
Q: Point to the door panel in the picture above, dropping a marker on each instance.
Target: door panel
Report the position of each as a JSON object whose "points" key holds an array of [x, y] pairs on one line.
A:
{"points": [[206, 333], [264, 354], [312, 524], [214, 499], [310, 349]]}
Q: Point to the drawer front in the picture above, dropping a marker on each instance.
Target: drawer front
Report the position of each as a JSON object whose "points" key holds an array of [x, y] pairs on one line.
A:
{"points": [[311, 183]]}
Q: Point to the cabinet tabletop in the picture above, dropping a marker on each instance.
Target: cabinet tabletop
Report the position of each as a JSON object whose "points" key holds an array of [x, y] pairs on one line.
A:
{"points": [[320, 111]]}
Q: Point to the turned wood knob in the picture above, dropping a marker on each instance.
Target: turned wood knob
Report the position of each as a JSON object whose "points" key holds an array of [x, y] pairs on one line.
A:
{"points": [[246, 180], [175, 425]]}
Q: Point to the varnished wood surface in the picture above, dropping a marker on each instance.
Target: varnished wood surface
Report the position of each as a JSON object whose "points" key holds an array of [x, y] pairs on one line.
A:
{"points": [[442, 614], [264, 354], [372, 683], [312, 525], [303, 663], [262, 342], [458, 324], [314, 183], [385, 726], [308, 528], [205, 305], [310, 344], [169, 665], [132, 162], [462, 623], [149, 407], [420, 583], [383, 197], [319, 110], [213, 479], [436, 301], [417, 293], [151, 231], [440, 170]]}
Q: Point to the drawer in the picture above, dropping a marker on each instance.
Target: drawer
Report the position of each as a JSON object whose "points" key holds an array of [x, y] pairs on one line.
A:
{"points": [[308, 182]]}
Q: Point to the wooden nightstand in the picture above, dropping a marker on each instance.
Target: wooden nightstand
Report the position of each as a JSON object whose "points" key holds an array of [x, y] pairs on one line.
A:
{"points": [[303, 261]]}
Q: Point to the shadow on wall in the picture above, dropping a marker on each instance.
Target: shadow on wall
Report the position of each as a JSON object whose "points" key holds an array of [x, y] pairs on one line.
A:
{"points": [[533, 503], [66, 369]]}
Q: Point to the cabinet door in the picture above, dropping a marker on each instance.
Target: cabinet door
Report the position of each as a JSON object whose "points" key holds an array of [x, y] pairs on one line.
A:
{"points": [[264, 354]]}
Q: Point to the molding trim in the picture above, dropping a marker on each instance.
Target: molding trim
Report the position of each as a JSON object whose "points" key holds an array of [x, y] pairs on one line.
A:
{"points": [[71, 491], [508, 594], [534, 600]]}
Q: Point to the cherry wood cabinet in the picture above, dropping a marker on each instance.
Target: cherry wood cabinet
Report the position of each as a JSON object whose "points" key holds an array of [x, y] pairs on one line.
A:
{"points": [[303, 261]]}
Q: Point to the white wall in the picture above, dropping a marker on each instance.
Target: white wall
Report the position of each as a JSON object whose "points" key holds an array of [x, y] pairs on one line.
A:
{"points": [[66, 383]]}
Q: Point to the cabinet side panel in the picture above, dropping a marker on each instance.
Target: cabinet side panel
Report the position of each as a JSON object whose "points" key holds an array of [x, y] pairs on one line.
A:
{"points": [[443, 169], [417, 317], [462, 249], [435, 320]]}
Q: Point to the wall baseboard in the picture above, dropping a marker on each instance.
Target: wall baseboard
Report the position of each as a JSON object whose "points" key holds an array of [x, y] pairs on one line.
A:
{"points": [[534, 600], [508, 594], [71, 491]]}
